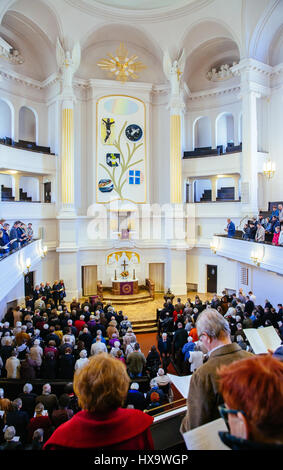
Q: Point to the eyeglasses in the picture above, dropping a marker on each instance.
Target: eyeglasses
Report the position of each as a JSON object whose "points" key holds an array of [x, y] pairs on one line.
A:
{"points": [[225, 411]]}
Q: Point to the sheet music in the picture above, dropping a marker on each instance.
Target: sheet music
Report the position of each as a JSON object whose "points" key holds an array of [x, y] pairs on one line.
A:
{"points": [[181, 383], [206, 437], [262, 339]]}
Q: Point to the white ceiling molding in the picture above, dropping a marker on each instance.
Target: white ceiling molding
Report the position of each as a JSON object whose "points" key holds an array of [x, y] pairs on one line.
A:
{"points": [[151, 16]]}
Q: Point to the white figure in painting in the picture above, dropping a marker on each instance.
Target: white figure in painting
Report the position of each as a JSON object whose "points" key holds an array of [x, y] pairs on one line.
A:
{"points": [[112, 260], [134, 259]]}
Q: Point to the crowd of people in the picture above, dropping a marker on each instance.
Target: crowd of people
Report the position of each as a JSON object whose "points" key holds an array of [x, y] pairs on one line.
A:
{"points": [[257, 228], [12, 238], [50, 339]]}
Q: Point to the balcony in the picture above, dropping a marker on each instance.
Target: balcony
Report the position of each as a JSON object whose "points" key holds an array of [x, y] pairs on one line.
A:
{"points": [[25, 160], [263, 255]]}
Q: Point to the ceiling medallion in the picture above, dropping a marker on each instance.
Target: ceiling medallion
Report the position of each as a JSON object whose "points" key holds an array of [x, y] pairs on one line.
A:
{"points": [[121, 66]]}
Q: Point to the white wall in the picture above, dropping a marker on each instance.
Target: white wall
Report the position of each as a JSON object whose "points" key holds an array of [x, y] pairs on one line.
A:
{"points": [[5, 120], [197, 261], [6, 180], [203, 132], [200, 186], [17, 293], [267, 285], [30, 185], [224, 130], [262, 125], [27, 125]]}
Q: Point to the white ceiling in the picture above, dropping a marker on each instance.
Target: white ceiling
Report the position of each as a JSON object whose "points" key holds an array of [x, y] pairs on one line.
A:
{"points": [[143, 4]]}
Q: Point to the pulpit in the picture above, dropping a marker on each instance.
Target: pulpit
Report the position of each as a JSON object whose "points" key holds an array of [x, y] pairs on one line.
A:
{"points": [[124, 287]]}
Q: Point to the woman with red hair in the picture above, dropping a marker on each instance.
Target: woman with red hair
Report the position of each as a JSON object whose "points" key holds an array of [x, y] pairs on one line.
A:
{"points": [[252, 390]]}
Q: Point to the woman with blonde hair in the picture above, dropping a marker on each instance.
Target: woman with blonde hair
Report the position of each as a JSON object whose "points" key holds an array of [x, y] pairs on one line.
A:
{"points": [[101, 387]]}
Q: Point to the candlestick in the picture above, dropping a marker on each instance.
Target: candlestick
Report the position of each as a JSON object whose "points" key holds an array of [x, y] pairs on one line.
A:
{"points": [[134, 274], [115, 276]]}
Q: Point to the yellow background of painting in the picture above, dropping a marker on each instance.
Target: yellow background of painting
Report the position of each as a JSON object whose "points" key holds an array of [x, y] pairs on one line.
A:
{"points": [[111, 139], [118, 255]]}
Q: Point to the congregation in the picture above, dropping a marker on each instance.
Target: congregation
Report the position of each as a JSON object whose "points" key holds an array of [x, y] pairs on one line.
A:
{"points": [[15, 237], [49, 339], [261, 229]]}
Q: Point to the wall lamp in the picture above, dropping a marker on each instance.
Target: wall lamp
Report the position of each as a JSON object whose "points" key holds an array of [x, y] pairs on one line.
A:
{"points": [[256, 259], [44, 251], [214, 246], [28, 264]]}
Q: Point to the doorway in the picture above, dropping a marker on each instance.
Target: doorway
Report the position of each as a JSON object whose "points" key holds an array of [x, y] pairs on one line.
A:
{"points": [[47, 192], [89, 280], [211, 285], [29, 284], [156, 274]]}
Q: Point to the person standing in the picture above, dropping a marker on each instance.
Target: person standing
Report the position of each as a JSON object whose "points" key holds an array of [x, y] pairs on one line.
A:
{"points": [[230, 228], [204, 397]]}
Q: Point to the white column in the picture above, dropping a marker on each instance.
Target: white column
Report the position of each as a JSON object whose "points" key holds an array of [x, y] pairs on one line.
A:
{"points": [[213, 180], [249, 152], [16, 186], [236, 187]]}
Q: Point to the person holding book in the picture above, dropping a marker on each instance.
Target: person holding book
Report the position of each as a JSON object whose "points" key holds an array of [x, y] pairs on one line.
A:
{"points": [[253, 395], [203, 398]]}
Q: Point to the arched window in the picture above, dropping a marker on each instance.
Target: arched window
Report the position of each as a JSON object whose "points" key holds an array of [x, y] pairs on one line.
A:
{"points": [[202, 132], [27, 125], [224, 130], [5, 120]]}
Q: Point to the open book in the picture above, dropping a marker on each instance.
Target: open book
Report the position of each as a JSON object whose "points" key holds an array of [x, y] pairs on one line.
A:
{"points": [[262, 339], [206, 437], [181, 383]]}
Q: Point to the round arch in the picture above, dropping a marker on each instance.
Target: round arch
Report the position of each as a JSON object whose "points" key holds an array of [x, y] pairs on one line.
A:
{"points": [[202, 132], [28, 124], [224, 128], [11, 117]]}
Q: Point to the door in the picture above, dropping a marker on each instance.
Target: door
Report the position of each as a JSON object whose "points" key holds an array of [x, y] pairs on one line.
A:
{"points": [[47, 192], [28, 284], [89, 280], [211, 278], [156, 274]]}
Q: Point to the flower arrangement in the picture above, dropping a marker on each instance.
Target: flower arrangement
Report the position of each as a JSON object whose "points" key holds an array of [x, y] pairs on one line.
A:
{"points": [[125, 274]]}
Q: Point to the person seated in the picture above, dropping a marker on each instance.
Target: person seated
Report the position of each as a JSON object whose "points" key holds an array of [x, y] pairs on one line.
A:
{"points": [[102, 387], [40, 420], [11, 443], [254, 420]]}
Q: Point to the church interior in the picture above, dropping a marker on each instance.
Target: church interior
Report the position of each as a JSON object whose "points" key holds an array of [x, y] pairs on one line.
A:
{"points": [[140, 149]]}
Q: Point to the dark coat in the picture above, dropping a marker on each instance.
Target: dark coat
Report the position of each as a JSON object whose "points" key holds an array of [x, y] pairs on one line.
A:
{"points": [[18, 419], [66, 367]]}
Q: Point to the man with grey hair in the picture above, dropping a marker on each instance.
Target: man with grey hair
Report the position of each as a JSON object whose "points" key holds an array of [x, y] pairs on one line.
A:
{"points": [[204, 398], [48, 399], [28, 399]]}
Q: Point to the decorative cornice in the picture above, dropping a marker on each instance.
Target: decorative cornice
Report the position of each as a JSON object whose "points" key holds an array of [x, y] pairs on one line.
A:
{"points": [[28, 82], [251, 65], [213, 92]]}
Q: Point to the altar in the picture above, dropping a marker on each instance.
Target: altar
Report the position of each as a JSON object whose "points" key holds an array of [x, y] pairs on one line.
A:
{"points": [[124, 287]]}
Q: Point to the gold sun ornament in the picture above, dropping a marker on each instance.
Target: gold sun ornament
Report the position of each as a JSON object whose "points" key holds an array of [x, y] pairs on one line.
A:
{"points": [[122, 66]]}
